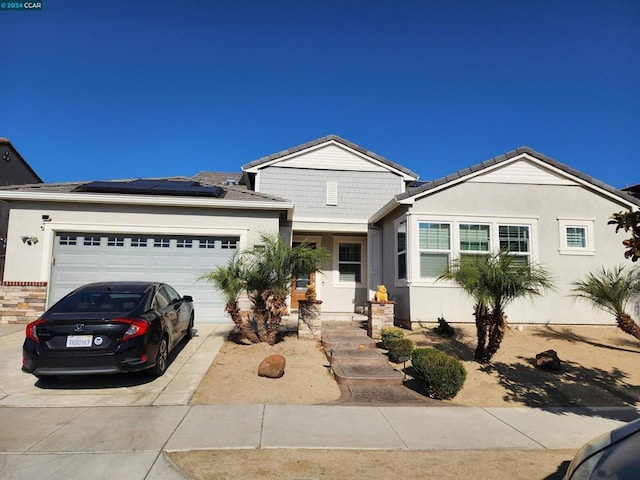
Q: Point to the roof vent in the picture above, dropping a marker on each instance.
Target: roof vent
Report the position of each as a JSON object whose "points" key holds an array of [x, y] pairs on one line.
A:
{"points": [[230, 181]]}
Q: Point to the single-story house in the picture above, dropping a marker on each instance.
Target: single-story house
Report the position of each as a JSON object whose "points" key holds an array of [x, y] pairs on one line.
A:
{"points": [[379, 223]]}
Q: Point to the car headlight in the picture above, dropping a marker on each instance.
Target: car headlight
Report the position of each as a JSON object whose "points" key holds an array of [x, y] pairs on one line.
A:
{"points": [[586, 468], [587, 458]]}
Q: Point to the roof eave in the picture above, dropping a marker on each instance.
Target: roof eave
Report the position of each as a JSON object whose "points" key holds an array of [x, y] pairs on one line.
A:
{"points": [[148, 200]]}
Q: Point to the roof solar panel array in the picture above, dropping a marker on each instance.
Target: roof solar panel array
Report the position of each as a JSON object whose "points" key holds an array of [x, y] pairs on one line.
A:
{"points": [[153, 187]]}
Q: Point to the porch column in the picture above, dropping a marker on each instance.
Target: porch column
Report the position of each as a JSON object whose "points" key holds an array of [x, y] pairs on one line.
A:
{"points": [[380, 315], [310, 319]]}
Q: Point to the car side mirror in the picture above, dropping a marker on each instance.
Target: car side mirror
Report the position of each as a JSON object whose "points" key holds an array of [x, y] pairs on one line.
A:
{"points": [[187, 298]]}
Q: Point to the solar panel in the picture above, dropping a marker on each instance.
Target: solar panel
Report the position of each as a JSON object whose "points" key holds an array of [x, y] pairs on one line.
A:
{"points": [[153, 187]]}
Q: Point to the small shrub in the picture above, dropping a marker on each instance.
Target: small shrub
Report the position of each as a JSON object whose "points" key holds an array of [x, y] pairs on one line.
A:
{"points": [[442, 375], [387, 333], [400, 348], [444, 329]]}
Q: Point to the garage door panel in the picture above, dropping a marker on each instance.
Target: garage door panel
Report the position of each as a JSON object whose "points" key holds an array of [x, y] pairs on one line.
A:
{"points": [[82, 258]]}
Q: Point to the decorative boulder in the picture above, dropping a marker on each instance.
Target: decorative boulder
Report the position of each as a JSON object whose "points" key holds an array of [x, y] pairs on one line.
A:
{"points": [[548, 361], [272, 366]]}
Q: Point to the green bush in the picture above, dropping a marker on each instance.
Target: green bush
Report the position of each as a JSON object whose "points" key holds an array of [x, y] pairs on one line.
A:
{"points": [[387, 333], [400, 348], [442, 375]]}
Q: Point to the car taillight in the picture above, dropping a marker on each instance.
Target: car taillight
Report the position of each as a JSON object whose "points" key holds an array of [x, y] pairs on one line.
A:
{"points": [[136, 328], [32, 330]]}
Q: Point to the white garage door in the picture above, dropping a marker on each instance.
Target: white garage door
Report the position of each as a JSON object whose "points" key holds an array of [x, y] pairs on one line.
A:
{"points": [[80, 258]]}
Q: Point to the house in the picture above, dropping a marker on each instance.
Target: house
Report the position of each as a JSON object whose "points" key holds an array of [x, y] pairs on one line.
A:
{"points": [[14, 170], [380, 225]]}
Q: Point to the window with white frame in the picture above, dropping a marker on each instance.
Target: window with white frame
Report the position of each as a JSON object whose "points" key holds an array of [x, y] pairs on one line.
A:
{"points": [[474, 238], [434, 243], [401, 250], [517, 240], [350, 262], [576, 236]]}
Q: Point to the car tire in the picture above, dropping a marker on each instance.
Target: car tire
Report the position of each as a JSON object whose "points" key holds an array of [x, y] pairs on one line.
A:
{"points": [[162, 358], [189, 334]]}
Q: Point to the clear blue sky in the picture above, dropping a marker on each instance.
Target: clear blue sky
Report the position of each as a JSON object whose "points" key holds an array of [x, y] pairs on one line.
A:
{"points": [[120, 89]]}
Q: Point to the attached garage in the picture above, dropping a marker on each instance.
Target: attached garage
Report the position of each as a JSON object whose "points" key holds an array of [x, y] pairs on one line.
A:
{"points": [[62, 236], [80, 258]]}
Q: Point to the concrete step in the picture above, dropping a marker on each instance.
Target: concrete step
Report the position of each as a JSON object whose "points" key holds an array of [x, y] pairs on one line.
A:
{"points": [[349, 343], [366, 375], [366, 356]]}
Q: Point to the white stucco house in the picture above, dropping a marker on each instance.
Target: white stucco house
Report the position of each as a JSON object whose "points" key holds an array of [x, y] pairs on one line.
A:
{"points": [[379, 223]]}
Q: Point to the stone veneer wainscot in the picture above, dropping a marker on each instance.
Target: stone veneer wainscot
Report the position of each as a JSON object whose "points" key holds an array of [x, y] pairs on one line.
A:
{"points": [[22, 302]]}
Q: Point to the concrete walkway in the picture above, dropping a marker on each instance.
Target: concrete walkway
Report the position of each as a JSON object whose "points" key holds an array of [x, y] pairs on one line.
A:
{"points": [[128, 442], [94, 438]]}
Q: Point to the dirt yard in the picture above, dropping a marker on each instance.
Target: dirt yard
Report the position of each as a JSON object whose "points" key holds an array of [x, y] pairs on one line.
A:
{"points": [[600, 367]]}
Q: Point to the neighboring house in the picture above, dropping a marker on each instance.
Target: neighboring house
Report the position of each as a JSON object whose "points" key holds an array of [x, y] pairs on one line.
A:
{"points": [[633, 190], [14, 170], [378, 223]]}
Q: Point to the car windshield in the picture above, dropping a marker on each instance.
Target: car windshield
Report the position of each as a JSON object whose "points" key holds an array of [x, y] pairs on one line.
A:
{"points": [[97, 302]]}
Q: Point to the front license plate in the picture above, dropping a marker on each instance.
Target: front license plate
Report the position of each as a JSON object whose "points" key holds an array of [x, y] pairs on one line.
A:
{"points": [[79, 341]]}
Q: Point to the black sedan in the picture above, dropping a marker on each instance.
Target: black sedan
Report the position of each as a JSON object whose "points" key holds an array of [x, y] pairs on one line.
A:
{"points": [[613, 455], [108, 327]]}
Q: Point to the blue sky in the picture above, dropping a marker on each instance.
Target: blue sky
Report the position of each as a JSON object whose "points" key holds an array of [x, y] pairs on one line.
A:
{"points": [[124, 89]]}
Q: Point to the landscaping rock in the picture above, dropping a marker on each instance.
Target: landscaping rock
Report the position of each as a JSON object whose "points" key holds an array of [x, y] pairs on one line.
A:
{"points": [[548, 360], [272, 366]]}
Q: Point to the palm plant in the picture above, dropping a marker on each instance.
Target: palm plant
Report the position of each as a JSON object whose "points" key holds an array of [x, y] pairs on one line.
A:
{"points": [[265, 273], [229, 280], [611, 290], [271, 267], [494, 282]]}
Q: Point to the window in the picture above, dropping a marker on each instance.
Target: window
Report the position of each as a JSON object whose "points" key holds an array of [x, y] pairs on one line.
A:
{"points": [[228, 244], [435, 248], [207, 243], [350, 262], [474, 238], [115, 241], [161, 243], [91, 241], [184, 243], [515, 239], [138, 242], [401, 250], [68, 240], [576, 236]]}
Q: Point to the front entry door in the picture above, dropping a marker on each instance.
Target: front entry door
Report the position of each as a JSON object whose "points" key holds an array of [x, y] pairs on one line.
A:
{"points": [[299, 288], [299, 285]]}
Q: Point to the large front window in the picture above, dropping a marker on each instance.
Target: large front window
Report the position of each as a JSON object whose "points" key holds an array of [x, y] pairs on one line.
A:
{"points": [[350, 262], [435, 248]]}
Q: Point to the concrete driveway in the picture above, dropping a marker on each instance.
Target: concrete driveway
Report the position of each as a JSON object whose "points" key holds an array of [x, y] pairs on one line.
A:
{"points": [[190, 362]]}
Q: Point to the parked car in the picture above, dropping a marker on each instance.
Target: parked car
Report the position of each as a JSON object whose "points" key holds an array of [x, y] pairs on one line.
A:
{"points": [[108, 327], [613, 455]]}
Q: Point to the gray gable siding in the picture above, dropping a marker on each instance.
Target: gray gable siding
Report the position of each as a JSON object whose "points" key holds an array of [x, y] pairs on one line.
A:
{"points": [[360, 194]]}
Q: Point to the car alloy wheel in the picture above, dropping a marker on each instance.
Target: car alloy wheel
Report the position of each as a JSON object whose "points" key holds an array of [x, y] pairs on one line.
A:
{"points": [[161, 358]]}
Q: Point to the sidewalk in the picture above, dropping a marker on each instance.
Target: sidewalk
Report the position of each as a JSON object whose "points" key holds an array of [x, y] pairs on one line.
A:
{"points": [[106, 442]]}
